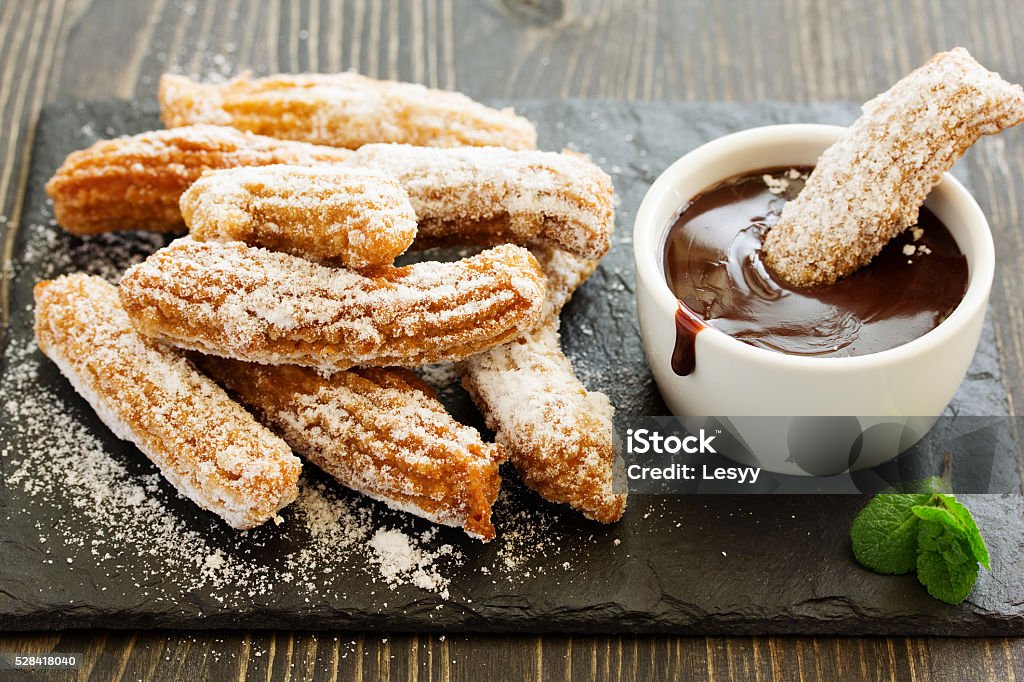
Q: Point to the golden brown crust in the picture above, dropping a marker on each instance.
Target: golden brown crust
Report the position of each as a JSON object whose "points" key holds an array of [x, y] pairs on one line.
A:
{"points": [[380, 431], [343, 110], [134, 183], [330, 214], [251, 304], [204, 443], [486, 195]]}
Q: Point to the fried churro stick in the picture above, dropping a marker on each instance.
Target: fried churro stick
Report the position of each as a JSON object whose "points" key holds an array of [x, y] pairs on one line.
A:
{"points": [[134, 183], [870, 184], [204, 443], [379, 431], [351, 216], [251, 304], [557, 433], [492, 196], [343, 110]]}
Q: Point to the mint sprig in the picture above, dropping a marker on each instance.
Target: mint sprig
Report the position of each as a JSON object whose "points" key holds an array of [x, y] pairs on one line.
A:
{"points": [[945, 564], [926, 530]]}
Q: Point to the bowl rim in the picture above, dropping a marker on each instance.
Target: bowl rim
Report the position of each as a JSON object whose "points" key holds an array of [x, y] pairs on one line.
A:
{"points": [[649, 236]]}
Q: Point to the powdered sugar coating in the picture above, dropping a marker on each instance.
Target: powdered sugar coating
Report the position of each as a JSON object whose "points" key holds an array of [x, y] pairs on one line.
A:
{"points": [[489, 195], [379, 431], [564, 273], [869, 186], [251, 304], [204, 443], [355, 217], [558, 434], [343, 110], [134, 183]]}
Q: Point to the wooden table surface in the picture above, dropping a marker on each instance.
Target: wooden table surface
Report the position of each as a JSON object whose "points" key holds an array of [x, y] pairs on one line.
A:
{"points": [[621, 49]]}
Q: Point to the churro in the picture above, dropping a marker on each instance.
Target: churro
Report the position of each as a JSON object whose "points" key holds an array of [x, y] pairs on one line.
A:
{"points": [[351, 216], [557, 433], [493, 196], [247, 303], [204, 443], [343, 110], [379, 431], [134, 183], [869, 186]]}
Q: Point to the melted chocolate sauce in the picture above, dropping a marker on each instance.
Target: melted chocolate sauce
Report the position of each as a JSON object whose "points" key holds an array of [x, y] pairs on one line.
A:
{"points": [[684, 355], [713, 265]]}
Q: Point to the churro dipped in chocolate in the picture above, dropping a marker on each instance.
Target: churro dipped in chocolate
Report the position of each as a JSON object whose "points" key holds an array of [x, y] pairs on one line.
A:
{"points": [[343, 110], [349, 216], [134, 183], [379, 431], [493, 196], [557, 433], [247, 303], [204, 443], [869, 185]]}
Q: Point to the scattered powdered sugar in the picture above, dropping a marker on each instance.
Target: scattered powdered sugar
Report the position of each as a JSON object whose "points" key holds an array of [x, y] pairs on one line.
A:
{"points": [[786, 184], [50, 252], [776, 185], [401, 560], [113, 511], [527, 535], [124, 521]]}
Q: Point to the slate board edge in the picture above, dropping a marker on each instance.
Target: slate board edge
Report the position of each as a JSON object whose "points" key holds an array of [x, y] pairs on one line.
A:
{"points": [[781, 624]]}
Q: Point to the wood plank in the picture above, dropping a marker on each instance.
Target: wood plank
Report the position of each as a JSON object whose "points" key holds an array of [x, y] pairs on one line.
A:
{"points": [[315, 656], [793, 49]]}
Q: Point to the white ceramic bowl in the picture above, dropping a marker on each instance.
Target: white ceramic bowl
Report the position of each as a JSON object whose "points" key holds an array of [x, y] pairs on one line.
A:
{"points": [[732, 378]]}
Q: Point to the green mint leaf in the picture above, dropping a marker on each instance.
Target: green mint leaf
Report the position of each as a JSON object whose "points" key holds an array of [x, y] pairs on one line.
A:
{"points": [[885, 533], [930, 512], [957, 516], [945, 561], [974, 539]]}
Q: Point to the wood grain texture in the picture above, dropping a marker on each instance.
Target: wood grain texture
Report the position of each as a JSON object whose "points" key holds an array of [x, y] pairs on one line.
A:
{"points": [[621, 49]]}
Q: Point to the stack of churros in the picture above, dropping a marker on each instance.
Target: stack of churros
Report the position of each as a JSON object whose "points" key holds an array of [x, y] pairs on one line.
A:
{"points": [[298, 193]]}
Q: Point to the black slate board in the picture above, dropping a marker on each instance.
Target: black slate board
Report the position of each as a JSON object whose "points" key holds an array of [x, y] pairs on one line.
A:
{"points": [[93, 538]]}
